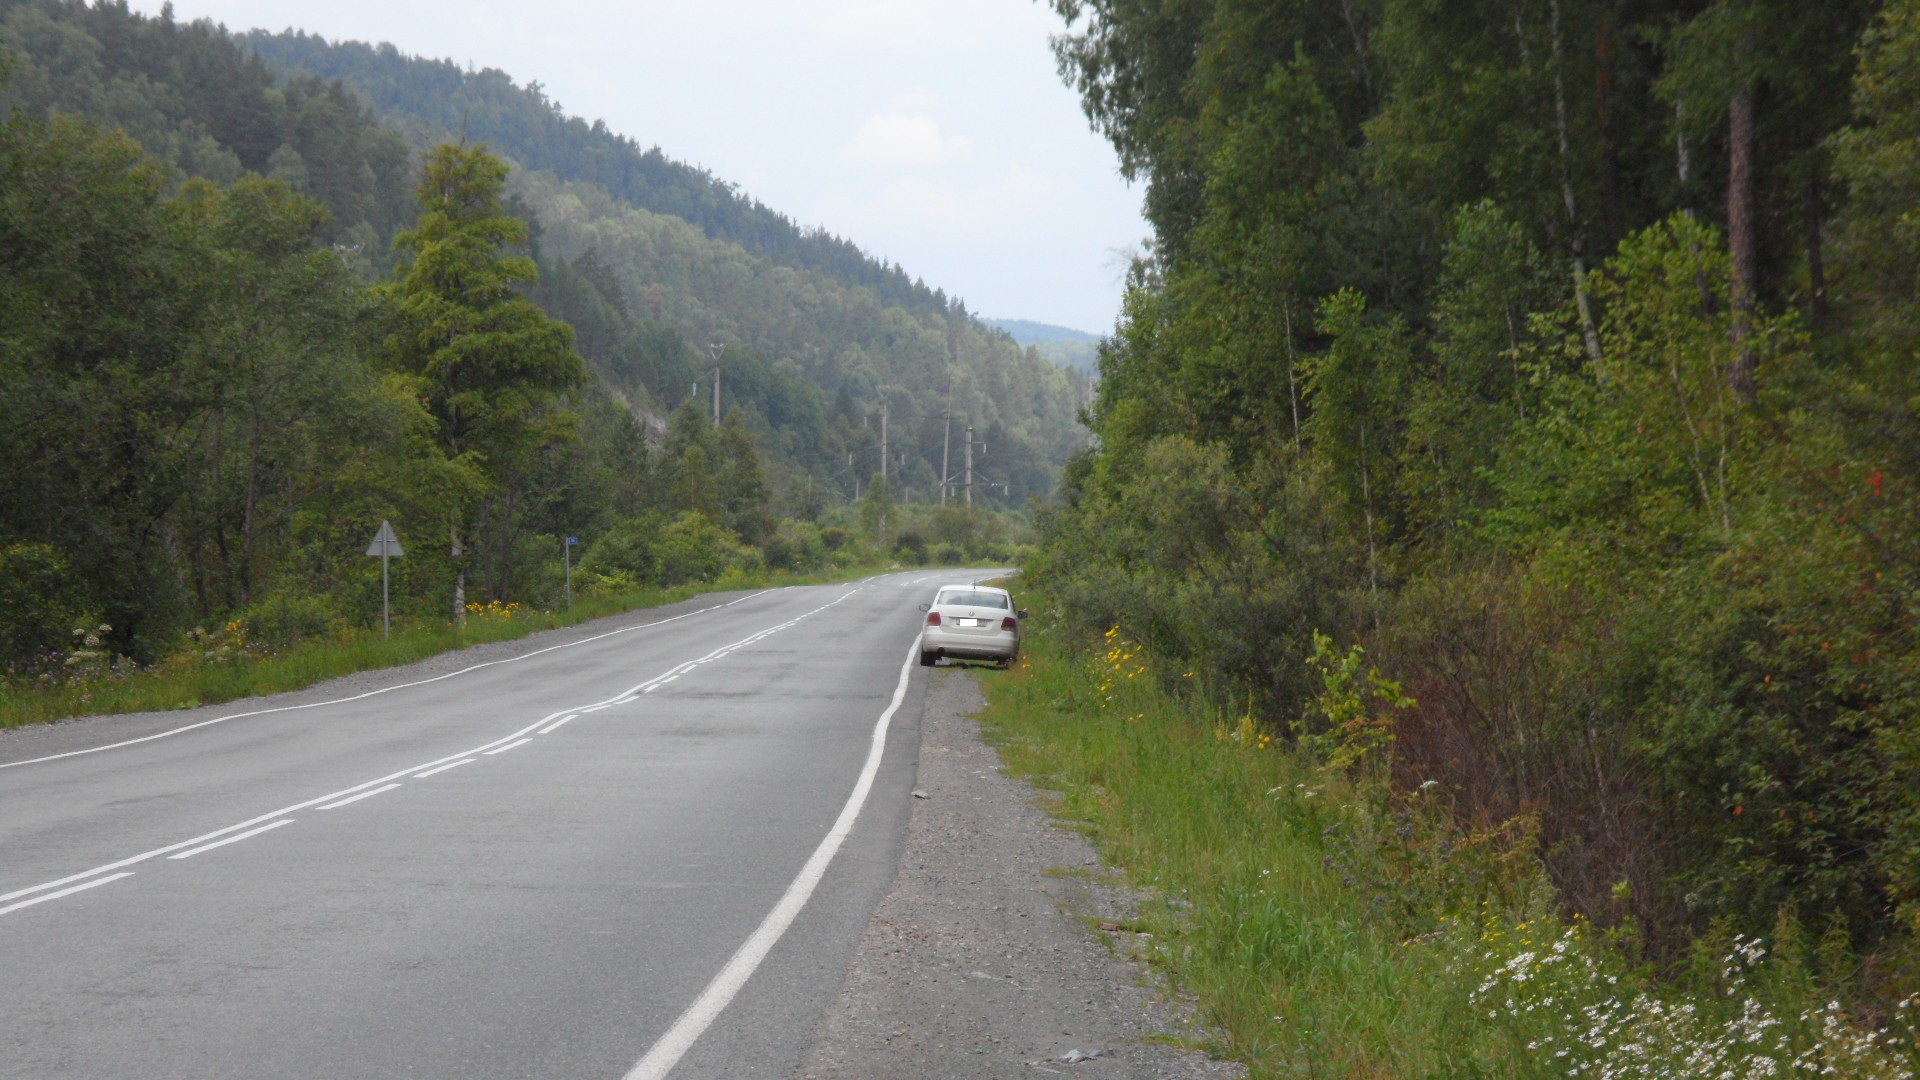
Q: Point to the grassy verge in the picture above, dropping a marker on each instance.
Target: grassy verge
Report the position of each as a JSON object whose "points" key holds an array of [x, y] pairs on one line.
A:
{"points": [[224, 668], [1327, 927]]}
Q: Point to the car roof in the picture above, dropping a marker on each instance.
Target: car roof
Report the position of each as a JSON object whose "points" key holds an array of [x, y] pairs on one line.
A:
{"points": [[961, 585]]}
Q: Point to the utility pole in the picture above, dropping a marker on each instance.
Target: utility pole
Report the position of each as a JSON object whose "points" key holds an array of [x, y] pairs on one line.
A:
{"points": [[566, 553], [946, 440], [883, 433], [716, 349], [969, 464]]}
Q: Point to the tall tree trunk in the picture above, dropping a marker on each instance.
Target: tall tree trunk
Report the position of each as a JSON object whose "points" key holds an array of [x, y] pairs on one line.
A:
{"points": [[1575, 244], [1373, 555], [1742, 235], [1293, 392], [1811, 203], [459, 571]]}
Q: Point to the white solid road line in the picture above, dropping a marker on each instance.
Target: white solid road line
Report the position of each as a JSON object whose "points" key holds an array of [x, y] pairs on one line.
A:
{"points": [[671, 1047], [509, 746], [382, 690], [64, 892], [437, 769], [191, 852], [558, 724], [336, 797], [338, 803]]}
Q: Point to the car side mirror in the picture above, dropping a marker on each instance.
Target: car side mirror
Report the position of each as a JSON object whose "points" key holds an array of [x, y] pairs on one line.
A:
{"points": [[1022, 613], [926, 607]]}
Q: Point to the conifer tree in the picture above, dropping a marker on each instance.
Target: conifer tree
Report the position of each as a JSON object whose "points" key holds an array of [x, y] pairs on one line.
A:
{"points": [[487, 360]]}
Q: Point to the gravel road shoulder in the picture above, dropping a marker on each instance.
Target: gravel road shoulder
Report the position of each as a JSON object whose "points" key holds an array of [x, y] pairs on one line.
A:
{"points": [[983, 960]]}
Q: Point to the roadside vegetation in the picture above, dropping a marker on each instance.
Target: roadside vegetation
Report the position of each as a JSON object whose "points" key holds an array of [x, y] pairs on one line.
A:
{"points": [[1330, 924], [1559, 354]]}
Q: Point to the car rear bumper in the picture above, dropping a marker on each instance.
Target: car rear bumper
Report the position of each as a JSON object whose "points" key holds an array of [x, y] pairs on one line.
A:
{"points": [[995, 645]]}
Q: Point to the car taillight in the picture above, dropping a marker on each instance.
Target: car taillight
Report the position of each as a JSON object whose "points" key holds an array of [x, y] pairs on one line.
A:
{"points": [[1008, 623], [933, 618]]}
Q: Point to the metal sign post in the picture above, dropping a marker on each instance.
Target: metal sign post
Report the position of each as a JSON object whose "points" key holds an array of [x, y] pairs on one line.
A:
{"points": [[566, 554], [386, 545]]}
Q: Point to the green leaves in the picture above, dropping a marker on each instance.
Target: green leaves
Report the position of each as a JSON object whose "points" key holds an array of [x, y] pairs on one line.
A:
{"points": [[488, 357], [1351, 718]]}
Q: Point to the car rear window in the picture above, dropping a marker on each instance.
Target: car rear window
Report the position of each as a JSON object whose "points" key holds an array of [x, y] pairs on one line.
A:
{"points": [[974, 599]]}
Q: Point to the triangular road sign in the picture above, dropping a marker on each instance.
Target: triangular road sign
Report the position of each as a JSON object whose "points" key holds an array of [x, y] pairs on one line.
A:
{"points": [[385, 542]]}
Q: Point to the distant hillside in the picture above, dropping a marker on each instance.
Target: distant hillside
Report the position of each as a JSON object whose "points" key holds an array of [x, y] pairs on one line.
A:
{"points": [[433, 98], [1062, 345], [657, 265], [1027, 332], [805, 317]]}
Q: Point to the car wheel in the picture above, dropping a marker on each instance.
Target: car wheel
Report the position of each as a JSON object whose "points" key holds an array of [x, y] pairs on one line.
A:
{"points": [[927, 659]]}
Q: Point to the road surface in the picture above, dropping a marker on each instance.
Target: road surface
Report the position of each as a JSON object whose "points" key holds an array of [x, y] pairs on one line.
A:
{"points": [[610, 852]]}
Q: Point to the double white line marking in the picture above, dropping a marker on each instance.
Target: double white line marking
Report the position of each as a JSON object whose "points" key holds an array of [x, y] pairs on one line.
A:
{"points": [[254, 826]]}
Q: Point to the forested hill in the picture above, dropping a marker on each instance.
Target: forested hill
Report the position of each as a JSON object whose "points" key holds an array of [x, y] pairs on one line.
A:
{"points": [[436, 97], [814, 333], [659, 267], [1063, 345]]}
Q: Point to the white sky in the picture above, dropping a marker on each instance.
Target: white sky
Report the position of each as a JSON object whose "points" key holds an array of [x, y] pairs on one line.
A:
{"points": [[934, 133]]}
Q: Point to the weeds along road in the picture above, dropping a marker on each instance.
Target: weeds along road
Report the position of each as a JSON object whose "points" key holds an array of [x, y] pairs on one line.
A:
{"points": [[538, 868]]}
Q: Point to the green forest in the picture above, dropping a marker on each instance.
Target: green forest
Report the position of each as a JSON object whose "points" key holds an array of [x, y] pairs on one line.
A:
{"points": [[244, 318], [1558, 357], [794, 310]]}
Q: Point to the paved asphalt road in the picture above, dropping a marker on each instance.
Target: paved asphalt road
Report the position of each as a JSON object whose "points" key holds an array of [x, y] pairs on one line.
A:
{"points": [[455, 879]]}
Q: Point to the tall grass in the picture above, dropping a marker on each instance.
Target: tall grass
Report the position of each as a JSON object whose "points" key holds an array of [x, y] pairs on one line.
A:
{"points": [[1329, 928], [222, 667]]}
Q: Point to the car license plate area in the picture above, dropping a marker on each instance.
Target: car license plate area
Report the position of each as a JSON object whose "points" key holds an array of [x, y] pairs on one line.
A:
{"points": [[967, 622]]}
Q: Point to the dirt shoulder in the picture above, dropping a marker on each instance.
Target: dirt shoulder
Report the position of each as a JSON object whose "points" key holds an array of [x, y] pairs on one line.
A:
{"points": [[984, 960]]}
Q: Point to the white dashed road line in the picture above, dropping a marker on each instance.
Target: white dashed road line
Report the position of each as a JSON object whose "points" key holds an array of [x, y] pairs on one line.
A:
{"points": [[436, 770], [338, 803], [264, 822], [191, 852], [64, 892]]}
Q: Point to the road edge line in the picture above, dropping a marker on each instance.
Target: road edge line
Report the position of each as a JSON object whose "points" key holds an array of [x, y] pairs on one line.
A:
{"points": [[667, 1051]]}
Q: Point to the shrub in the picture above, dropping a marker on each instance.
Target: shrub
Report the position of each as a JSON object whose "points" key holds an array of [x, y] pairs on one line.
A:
{"points": [[39, 604], [283, 617], [696, 548], [627, 553], [911, 548], [797, 546]]}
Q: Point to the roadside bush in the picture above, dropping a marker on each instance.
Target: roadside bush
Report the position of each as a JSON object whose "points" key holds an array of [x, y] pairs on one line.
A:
{"points": [[796, 546], [281, 618], [40, 605], [651, 549], [910, 547], [626, 554], [693, 547]]}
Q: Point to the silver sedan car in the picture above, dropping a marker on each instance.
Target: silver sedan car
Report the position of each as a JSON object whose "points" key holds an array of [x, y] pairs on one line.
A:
{"points": [[971, 622]]}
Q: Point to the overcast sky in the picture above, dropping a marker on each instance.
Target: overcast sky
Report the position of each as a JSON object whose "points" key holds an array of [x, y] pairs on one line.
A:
{"points": [[934, 133]]}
